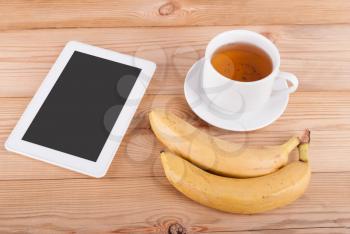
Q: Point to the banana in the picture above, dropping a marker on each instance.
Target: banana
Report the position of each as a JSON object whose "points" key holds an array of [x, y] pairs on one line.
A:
{"points": [[245, 196], [214, 154]]}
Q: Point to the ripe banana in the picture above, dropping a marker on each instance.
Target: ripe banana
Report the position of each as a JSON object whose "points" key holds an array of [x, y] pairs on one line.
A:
{"points": [[214, 154], [246, 196]]}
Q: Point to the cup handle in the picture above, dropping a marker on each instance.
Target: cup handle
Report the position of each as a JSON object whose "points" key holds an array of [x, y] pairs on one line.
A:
{"points": [[291, 78]]}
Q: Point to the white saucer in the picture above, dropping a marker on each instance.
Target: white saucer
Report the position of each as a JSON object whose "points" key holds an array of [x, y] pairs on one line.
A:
{"points": [[203, 108]]}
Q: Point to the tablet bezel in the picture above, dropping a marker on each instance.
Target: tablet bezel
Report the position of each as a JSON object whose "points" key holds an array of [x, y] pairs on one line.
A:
{"points": [[99, 168]]}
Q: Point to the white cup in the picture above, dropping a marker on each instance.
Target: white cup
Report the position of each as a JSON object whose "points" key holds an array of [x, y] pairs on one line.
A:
{"points": [[231, 96]]}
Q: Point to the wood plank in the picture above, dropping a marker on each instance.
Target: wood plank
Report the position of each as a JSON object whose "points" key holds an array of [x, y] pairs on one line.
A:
{"points": [[342, 230], [326, 114], [150, 205], [317, 54], [107, 13]]}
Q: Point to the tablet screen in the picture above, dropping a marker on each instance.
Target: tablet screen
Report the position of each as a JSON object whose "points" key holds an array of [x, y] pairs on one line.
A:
{"points": [[73, 117]]}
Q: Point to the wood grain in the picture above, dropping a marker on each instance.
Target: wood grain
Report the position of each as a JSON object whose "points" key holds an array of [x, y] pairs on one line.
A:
{"points": [[21, 14], [149, 205], [326, 114], [315, 53], [297, 231], [343, 230]]}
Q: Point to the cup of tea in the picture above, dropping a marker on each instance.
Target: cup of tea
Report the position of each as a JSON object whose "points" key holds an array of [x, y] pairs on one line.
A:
{"points": [[240, 70]]}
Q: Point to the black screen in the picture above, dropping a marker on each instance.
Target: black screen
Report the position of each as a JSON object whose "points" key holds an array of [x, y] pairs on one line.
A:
{"points": [[89, 92]]}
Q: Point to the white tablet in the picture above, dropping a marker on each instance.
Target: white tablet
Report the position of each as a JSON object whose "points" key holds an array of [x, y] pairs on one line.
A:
{"points": [[80, 113]]}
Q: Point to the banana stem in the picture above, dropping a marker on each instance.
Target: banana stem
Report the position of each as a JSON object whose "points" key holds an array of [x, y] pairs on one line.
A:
{"points": [[304, 152], [290, 145], [304, 146], [305, 138]]}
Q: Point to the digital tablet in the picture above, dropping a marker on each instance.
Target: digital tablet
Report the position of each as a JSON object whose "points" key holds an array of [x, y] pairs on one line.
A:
{"points": [[81, 111]]}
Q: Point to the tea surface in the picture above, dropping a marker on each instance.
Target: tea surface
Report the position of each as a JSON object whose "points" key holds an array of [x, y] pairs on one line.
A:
{"points": [[242, 62]]}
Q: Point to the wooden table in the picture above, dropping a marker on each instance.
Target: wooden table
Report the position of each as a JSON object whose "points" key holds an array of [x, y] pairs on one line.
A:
{"points": [[135, 197]]}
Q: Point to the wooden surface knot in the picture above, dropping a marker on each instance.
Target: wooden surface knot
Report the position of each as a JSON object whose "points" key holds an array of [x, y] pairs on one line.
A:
{"points": [[167, 8], [176, 228]]}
